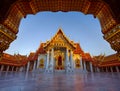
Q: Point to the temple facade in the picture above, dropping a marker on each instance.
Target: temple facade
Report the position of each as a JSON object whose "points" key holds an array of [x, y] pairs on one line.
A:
{"points": [[59, 54]]}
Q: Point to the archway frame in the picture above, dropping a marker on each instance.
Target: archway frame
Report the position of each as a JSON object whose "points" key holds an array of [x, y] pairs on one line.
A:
{"points": [[109, 24]]}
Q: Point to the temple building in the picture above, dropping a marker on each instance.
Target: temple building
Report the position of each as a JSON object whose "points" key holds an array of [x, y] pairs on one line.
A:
{"points": [[60, 54]]}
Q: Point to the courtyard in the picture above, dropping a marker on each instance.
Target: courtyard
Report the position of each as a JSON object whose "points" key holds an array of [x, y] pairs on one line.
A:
{"points": [[60, 81]]}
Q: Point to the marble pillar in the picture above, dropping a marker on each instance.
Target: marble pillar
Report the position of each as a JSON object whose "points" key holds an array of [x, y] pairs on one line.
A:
{"points": [[34, 65], [91, 67], [52, 59], [28, 66], [98, 69], [67, 63], [66, 59], [71, 59], [85, 67], [111, 69], [12, 68], [21, 69], [117, 69], [16, 69], [81, 64], [47, 64], [38, 62], [2, 67], [8, 68]]}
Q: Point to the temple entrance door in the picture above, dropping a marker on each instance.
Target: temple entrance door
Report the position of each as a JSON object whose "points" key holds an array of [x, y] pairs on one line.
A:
{"points": [[60, 61], [59, 65]]}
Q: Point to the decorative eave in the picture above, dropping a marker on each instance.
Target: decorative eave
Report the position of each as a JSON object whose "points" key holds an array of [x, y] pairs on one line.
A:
{"points": [[109, 63], [40, 50], [111, 60], [87, 57], [78, 49], [60, 32], [13, 60], [31, 56]]}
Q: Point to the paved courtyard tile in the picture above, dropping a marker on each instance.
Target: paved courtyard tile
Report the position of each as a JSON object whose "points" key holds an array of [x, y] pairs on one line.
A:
{"points": [[35, 81]]}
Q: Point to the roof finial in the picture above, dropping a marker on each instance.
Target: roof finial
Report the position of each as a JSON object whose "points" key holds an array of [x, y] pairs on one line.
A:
{"points": [[59, 27]]}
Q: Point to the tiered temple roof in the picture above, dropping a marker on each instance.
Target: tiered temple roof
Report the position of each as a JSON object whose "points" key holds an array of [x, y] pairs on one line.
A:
{"points": [[87, 57], [14, 60], [31, 56], [78, 49], [104, 61], [55, 39]]}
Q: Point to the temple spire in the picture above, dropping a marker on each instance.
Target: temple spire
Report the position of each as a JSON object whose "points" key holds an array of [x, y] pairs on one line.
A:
{"points": [[60, 31]]}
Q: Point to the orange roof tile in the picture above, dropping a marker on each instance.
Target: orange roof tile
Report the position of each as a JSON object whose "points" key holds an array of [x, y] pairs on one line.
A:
{"points": [[14, 60], [31, 56], [111, 60], [41, 49], [87, 57], [78, 49]]}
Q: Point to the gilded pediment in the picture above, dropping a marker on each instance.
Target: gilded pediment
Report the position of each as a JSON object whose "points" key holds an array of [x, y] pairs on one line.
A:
{"points": [[60, 40]]}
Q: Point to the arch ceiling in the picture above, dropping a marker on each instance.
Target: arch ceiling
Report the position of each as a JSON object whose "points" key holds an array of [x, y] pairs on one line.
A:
{"points": [[107, 11]]}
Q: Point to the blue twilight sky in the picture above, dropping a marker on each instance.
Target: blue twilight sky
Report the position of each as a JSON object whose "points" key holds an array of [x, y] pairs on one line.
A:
{"points": [[81, 28]]}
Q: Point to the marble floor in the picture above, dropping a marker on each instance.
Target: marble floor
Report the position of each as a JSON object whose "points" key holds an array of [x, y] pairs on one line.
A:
{"points": [[35, 81]]}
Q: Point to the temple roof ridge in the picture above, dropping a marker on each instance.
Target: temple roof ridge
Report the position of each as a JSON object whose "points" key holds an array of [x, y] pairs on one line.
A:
{"points": [[60, 31]]}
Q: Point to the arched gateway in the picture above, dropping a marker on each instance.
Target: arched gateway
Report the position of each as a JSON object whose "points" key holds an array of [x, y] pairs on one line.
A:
{"points": [[107, 11]]}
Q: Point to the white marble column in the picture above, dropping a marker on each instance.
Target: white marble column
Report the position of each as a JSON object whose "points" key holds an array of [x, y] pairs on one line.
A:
{"points": [[71, 59], [81, 65], [8, 68], [21, 69], [12, 68], [28, 66], [111, 69], [85, 67], [91, 68], [48, 55], [16, 69], [98, 70], [34, 65], [66, 61], [74, 64], [38, 62], [117, 69], [52, 58], [2, 67]]}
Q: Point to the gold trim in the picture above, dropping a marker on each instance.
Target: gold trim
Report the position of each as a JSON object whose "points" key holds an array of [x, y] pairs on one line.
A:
{"points": [[111, 35], [6, 34]]}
